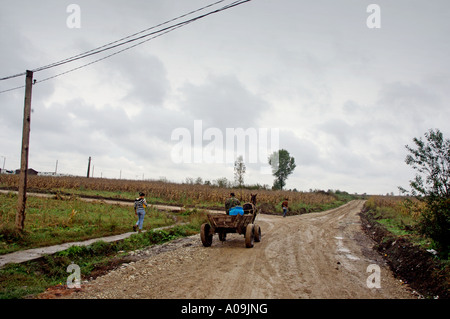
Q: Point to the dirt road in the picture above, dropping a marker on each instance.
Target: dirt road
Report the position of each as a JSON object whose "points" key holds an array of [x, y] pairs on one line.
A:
{"points": [[317, 255]]}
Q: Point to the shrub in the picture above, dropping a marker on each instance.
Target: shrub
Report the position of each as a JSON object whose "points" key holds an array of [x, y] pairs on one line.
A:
{"points": [[436, 225], [431, 159]]}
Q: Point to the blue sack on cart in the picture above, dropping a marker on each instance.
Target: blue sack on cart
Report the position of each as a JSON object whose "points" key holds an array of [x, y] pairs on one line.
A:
{"points": [[236, 210]]}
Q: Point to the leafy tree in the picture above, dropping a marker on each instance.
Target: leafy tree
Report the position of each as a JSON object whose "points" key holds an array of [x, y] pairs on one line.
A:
{"points": [[431, 159], [282, 166], [239, 171], [222, 182]]}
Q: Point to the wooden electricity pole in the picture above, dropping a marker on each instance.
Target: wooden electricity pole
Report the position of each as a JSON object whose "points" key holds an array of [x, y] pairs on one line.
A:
{"points": [[22, 197], [89, 167]]}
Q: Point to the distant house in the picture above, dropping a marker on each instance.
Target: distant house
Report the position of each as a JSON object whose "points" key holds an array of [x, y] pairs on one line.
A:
{"points": [[30, 171]]}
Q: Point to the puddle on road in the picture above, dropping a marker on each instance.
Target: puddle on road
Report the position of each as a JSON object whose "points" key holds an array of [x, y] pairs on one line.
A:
{"points": [[342, 249], [349, 256]]}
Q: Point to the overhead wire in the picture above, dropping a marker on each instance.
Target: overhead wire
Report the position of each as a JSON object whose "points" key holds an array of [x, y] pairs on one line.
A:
{"points": [[129, 39], [109, 46], [105, 57], [95, 50]]}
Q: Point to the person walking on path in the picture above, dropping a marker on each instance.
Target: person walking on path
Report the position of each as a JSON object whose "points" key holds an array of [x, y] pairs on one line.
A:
{"points": [[285, 206], [139, 209]]}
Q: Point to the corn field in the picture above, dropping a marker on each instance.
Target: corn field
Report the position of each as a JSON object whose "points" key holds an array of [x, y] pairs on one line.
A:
{"points": [[402, 205], [169, 192]]}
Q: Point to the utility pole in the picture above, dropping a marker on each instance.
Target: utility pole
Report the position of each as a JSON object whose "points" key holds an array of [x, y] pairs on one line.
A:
{"points": [[22, 196], [56, 168], [89, 167]]}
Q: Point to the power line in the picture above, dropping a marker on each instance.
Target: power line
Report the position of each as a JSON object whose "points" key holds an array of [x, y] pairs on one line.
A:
{"points": [[12, 76], [107, 46], [105, 57], [129, 39], [12, 89], [156, 35]]}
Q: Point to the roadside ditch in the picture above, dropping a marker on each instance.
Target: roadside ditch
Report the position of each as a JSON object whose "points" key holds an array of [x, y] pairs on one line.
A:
{"points": [[415, 266]]}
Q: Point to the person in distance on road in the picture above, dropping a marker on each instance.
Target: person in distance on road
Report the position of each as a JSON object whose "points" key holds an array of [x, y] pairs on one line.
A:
{"points": [[285, 206]]}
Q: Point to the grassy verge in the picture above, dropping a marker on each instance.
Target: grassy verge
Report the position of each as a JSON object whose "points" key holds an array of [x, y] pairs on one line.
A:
{"points": [[297, 208], [400, 217], [392, 222], [30, 278], [55, 221]]}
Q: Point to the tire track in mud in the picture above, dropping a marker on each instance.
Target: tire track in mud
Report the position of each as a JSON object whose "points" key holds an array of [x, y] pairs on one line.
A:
{"points": [[304, 256]]}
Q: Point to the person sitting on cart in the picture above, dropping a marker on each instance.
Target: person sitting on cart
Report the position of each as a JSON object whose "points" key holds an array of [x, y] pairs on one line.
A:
{"points": [[231, 202]]}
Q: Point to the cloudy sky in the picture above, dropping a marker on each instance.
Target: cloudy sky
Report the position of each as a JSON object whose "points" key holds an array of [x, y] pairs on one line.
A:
{"points": [[344, 98]]}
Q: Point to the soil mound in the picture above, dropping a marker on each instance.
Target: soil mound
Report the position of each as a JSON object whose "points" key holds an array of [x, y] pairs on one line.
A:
{"points": [[413, 264]]}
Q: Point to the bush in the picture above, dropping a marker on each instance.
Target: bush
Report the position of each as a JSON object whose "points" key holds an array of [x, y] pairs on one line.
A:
{"points": [[431, 185], [435, 223]]}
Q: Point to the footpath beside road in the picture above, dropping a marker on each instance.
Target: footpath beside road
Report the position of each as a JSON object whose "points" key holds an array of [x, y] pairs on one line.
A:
{"points": [[34, 253]]}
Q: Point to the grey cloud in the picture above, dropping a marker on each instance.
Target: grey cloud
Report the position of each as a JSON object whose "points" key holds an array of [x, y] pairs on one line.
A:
{"points": [[80, 127], [405, 110], [145, 75], [408, 98], [303, 150], [339, 130], [223, 102], [75, 127]]}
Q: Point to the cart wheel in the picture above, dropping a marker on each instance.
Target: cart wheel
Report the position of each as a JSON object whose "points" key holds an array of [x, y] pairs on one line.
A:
{"points": [[257, 233], [222, 236], [205, 235], [249, 236]]}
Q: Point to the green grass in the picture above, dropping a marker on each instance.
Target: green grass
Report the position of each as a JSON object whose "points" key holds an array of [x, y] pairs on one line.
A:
{"points": [[52, 221], [341, 199], [34, 277], [55, 221], [398, 223], [393, 227]]}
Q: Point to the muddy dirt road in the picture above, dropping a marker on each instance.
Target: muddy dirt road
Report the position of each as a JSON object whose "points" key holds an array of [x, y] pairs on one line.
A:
{"points": [[317, 255]]}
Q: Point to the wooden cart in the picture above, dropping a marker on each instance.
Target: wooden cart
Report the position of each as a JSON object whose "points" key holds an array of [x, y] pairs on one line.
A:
{"points": [[224, 224]]}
